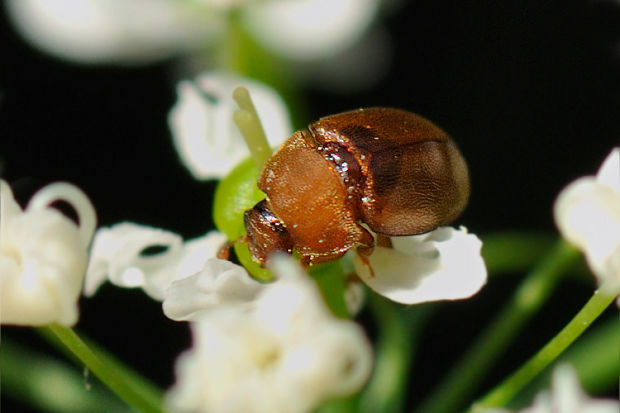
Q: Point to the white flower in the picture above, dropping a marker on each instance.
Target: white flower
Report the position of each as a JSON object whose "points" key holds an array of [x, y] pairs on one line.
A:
{"points": [[141, 31], [121, 255], [285, 353], [202, 126], [309, 29], [444, 264], [566, 396], [587, 213], [43, 255], [113, 31]]}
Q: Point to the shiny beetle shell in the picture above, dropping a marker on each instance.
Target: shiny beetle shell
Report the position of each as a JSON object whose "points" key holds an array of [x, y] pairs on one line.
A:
{"points": [[390, 169]]}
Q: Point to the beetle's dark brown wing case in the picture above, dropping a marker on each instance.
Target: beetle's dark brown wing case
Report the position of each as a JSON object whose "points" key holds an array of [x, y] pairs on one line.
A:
{"points": [[415, 190], [413, 177], [376, 129]]}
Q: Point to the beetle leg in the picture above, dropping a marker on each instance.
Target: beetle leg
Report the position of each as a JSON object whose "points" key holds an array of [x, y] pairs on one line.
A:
{"points": [[224, 252], [384, 241], [363, 252]]}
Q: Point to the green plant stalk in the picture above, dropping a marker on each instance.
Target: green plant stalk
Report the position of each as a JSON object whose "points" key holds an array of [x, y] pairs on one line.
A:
{"points": [[395, 346], [239, 52], [505, 391], [514, 251], [139, 382], [133, 392], [461, 381], [49, 385], [595, 356], [247, 120], [341, 405], [331, 282]]}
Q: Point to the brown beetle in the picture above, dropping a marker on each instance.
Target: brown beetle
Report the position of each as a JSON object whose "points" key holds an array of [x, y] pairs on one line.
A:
{"points": [[393, 170]]}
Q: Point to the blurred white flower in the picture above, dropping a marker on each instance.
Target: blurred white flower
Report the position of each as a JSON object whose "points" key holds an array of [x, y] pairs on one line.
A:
{"points": [[566, 396], [131, 255], [204, 134], [354, 297], [114, 31], [587, 213], [285, 353], [141, 31], [444, 264], [43, 255], [356, 68], [309, 29]]}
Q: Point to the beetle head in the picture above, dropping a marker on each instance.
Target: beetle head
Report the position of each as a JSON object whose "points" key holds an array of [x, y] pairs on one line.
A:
{"points": [[266, 234]]}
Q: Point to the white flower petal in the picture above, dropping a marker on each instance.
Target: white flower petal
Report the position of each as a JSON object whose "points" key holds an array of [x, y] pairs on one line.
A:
{"points": [[43, 255], [204, 134], [587, 213], [197, 251], [271, 353], [567, 396], [444, 264], [115, 255], [113, 31], [62, 191], [118, 255], [9, 208], [339, 368], [219, 284], [309, 29], [609, 173], [292, 300]]}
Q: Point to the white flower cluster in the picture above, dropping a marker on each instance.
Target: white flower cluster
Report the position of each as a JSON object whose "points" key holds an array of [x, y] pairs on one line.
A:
{"points": [[277, 343], [184, 275], [283, 352]]}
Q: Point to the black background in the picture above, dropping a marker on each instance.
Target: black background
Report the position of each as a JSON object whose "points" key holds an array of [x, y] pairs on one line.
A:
{"points": [[530, 90]]}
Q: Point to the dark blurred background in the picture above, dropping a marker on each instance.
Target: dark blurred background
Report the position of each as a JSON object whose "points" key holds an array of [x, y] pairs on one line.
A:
{"points": [[530, 90]]}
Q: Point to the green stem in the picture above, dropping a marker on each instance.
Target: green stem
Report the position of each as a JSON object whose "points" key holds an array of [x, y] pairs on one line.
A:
{"points": [[247, 120], [49, 385], [514, 251], [505, 391], [131, 391], [331, 281], [394, 351], [461, 381]]}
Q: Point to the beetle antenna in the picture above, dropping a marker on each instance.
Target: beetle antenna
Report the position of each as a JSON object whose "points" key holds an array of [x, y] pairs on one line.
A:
{"points": [[247, 120]]}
